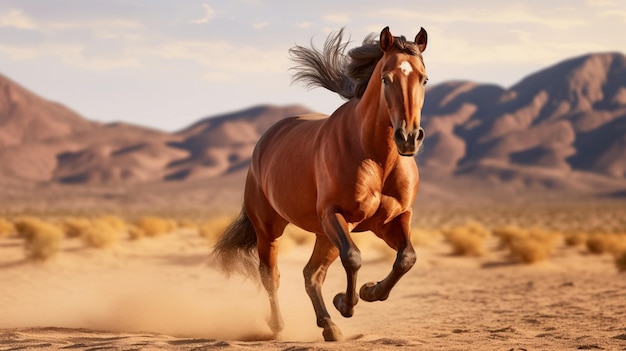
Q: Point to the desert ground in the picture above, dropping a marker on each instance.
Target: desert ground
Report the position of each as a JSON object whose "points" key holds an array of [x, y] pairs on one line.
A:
{"points": [[161, 292]]}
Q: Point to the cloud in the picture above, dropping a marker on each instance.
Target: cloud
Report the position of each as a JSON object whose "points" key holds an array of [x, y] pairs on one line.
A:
{"points": [[223, 61], [260, 25], [74, 55], [17, 19], [341, 18], [209, 14], [510, 14], [303, 24]]}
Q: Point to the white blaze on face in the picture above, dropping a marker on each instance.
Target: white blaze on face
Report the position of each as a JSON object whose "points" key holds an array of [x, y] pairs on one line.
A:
{"points": [[406, 68]]}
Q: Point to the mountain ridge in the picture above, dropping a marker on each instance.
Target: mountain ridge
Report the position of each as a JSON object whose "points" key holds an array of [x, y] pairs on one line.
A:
{"points": [[564, 119]]}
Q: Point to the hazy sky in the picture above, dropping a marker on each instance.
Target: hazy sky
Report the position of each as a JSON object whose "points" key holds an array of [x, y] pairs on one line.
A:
{"points": [[168, 63]]}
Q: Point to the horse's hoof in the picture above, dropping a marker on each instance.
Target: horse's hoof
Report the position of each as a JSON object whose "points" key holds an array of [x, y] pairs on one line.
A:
{"points": [[276, 325], [368, 292], [332, 333], [340, 304]]}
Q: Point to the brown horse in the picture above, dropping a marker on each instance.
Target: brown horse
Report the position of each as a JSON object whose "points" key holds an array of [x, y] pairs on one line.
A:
{"points": [[351, 172]]}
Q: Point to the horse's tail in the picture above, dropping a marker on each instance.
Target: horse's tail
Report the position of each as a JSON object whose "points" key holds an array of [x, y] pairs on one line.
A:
{"points": [[235, 251], [324, 68]]}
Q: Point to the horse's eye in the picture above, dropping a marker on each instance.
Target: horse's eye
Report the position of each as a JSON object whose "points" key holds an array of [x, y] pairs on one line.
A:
{"points": [[425, 81], [386, 80]]}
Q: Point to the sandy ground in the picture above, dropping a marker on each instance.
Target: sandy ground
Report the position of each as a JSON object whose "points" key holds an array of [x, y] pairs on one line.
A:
{"points": [[161, 294]]}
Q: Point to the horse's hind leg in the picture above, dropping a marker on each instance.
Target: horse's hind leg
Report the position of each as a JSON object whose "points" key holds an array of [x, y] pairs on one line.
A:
{"points": [[397, 235], [269, 226], [324, 253]]}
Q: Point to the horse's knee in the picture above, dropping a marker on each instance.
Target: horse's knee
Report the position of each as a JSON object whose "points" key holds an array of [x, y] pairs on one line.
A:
{"points": [[405, 260], [351, 259]]}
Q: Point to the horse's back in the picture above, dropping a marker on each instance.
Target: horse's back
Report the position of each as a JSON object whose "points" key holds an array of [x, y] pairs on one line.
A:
{"points": [[283, 166]]}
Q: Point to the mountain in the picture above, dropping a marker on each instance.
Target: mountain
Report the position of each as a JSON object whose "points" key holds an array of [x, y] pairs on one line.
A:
{"points": [[26, 117], [561, 127], [567, 117], [43, 141]]}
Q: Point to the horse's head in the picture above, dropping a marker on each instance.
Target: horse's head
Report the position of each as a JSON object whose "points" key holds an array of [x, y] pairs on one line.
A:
{"points": [[404, 78]]}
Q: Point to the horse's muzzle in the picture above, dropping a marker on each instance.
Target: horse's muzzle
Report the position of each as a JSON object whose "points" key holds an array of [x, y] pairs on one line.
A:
{"points": [[408, 143]]}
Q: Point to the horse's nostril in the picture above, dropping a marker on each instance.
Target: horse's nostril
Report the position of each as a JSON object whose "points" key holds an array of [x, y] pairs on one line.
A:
{"points": [[420, 134], [400, 135]]}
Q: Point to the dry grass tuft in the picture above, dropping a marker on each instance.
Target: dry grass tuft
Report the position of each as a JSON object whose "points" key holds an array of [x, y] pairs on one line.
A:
{"points": [[421, 237], [75, 226], [102, 233], [508, 234], [42, 239], [600, 243], [6, 228], [135, 233], [468, 239], [155, 226], [575, 239], [212, 229], [535, 245]]}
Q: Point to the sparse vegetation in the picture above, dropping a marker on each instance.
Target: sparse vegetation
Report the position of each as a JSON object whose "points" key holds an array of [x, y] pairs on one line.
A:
{"points": [[212, 229], [75, 226], [101, 233], [536, 245], [155, 226], [6, 228], [467, 239], [600, 243], [42, 239], [575, 239]]}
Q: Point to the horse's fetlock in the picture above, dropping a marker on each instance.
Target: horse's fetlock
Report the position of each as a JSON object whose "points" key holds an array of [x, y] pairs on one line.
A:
{"points": [[352, 259], [406, 261]]}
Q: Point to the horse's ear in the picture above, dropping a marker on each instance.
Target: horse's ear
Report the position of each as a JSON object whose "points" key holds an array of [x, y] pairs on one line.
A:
{"points": [[386, 39], [421, 39]]}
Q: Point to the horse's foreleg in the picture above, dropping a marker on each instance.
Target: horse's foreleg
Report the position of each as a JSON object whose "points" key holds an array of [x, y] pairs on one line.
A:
{"points": [[397, 236], [324, 253], [337, 231]]}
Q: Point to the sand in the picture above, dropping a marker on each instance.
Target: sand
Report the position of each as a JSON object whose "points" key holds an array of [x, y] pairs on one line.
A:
{"points": [[162, 294]]}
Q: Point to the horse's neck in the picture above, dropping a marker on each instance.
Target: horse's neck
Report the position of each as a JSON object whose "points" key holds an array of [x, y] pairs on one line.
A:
{"points": [[375, 129]]}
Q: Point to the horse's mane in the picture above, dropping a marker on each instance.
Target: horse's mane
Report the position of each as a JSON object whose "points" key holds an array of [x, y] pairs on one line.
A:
{"points": [[346, 75]]}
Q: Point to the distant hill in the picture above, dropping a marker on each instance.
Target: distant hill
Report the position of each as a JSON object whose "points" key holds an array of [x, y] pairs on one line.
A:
{"points": [[45, 142], [559, 127], [568, 117]]}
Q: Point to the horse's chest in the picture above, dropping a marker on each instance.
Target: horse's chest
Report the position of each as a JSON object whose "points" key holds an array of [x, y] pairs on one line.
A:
{"points": [[370, 195]]}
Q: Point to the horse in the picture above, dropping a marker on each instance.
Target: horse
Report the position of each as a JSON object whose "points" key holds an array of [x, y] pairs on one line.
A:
{"points": [[352, 171]]}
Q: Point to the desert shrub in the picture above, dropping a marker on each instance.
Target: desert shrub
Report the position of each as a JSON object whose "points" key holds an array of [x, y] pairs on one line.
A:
{"points": [[155, 226], [135, 233], [506, 235], [600, 243], [468, 239], [575, 239], [213, 228], [114, 222], [420, 237], [535, 245], [42, 239], [101, 233], [187, 223], [74, 226], [6, 228]]}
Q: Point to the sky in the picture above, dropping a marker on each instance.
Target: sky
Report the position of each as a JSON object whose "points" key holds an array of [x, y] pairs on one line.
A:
{"points": [[169, 63]]}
